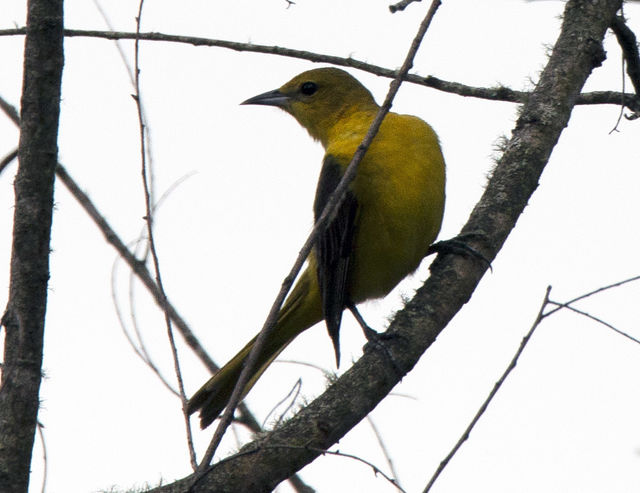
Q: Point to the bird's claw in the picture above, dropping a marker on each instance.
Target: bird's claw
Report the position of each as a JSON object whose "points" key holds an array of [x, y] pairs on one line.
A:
{"points": [[458, 246]]}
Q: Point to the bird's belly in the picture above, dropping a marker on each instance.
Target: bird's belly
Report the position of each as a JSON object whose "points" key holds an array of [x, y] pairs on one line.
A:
{"points": [[388, 248]]}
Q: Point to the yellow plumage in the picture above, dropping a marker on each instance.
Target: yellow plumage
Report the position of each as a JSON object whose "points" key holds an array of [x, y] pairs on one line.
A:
{"points": [[390, 217]]}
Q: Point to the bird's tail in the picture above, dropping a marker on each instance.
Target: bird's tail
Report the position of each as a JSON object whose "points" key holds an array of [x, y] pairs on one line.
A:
{"points": [[301, 310]]}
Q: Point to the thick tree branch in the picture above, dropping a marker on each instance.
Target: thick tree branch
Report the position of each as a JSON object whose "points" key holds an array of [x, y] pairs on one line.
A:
{"points": [[24, 316], [262, 464], [490, 93]]}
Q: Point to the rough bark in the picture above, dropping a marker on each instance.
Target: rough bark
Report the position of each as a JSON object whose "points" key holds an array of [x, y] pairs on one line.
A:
{"points": [[23, 319]]}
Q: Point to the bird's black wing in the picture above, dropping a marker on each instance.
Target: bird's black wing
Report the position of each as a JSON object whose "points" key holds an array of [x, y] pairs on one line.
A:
{"points": [[333, 249]]}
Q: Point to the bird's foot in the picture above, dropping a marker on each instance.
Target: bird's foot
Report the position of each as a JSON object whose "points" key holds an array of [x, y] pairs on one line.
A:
{"points": [[458, 246], [376, 339]]}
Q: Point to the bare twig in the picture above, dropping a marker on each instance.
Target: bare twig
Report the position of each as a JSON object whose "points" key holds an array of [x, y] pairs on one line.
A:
{"points": [[151, 241], [330, 209], [541, 315], [385, 451], [123, 57], [560, 306], [139, 348], [141, 271], [491, 93], [597, 319], [376, 469], [291, 396], [10, 110], [514, 361], [6, 161], [329, 375], [134, 264], [336, 453], [45, 462], [624, 85], [591, 293]]}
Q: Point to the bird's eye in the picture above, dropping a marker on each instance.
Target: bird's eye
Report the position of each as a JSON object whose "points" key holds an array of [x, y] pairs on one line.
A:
{"points": [[308, 88]]}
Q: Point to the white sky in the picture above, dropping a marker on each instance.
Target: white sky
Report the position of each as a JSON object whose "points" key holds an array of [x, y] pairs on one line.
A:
{"points": [[567, 419]]}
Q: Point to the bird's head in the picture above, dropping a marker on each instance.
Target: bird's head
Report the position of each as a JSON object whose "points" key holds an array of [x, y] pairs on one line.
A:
{"points": [[318, 98]]}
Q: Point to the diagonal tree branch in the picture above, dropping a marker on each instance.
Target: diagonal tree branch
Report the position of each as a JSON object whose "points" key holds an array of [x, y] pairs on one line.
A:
{"points": [[24, 316], [263, 463], [245, 416], [137, 267]]}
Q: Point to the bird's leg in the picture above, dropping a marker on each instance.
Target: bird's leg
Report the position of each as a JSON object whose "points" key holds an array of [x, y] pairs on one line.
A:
{"points": [[373, 337], [458, 246], [369, 333]]}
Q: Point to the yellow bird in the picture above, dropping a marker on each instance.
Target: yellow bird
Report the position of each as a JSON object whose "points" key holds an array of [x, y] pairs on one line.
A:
{"points": [[391, 215]]}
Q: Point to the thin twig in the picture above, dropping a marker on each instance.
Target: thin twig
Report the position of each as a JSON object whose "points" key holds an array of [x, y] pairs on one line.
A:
{"points": [[498, 93], [328, 374], [376, 469], [336, 453], [327, 215], [599, 320], [385, 451], [132, 304], [541, 315], [492, 394], [292, 397], [45, 462], [623, 84], [10, 110], [6, 161], [136, 266], [151, 242], [140, 269], [331, 376], [591, 293], [139, 348], [107, 21]]}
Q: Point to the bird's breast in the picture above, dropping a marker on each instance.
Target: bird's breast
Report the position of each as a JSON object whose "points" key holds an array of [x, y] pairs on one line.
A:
{"points": [[399, 187]]}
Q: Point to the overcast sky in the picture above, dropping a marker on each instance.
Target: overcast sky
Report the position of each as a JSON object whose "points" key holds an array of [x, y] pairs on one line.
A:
{"points": [[566, 420]]}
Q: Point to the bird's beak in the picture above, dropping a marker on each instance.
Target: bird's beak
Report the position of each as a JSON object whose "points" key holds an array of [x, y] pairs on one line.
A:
{"points": [[271, 98]]}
